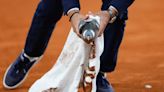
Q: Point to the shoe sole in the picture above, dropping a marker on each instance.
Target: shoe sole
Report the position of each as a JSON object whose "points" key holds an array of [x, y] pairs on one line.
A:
{"points": [[15, 86]]}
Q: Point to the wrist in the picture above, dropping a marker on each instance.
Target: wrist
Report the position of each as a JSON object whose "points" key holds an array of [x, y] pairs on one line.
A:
{"points": [[106, 14], [72, 13], [113, 13], [73, 9]]}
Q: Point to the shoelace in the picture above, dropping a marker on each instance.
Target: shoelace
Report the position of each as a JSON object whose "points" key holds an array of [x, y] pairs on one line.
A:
{"points": [[24, 62], [20, 66]]}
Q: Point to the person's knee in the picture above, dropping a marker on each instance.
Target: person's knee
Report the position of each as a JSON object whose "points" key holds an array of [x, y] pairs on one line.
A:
{"points": [[108, 65]]}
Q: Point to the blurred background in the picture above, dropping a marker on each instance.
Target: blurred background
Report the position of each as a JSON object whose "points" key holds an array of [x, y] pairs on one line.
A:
{"points": [[140, 65]]}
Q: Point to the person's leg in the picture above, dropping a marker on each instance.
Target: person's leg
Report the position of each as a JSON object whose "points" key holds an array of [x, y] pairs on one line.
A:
{"points": [[112, 38], [113, 35], [45, 18]]}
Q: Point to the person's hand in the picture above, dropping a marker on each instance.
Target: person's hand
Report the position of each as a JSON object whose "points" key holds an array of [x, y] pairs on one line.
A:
{"points": [[104, 20], [75, 19]]}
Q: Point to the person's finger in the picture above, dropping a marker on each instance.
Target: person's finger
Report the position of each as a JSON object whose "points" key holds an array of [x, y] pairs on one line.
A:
{"points": [[101, 29], [77, 32], [74, 29], [99, 33], [79, 35], [85, 17]]}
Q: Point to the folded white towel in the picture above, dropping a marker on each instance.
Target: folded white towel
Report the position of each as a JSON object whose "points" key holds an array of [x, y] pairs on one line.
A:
{"points": [[66, 74]]}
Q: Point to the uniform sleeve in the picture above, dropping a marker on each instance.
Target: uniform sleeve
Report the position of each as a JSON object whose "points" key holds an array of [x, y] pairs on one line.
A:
{"points": [[121, 5], [69, 4]]}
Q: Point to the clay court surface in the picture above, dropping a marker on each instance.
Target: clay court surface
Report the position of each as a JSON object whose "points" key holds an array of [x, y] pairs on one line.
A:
{"points": [[141, 57]]}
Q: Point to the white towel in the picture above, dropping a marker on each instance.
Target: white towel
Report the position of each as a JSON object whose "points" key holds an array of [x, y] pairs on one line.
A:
{"points": [[66, 74]]}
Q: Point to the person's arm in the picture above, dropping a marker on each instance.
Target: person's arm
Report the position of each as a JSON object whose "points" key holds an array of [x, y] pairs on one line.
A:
{"points": [[115, 7], [70, 4], [121, 5], [72, 10]]}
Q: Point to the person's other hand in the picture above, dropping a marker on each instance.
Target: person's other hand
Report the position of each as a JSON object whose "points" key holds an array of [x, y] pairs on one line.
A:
{"points": [[104, 20]]}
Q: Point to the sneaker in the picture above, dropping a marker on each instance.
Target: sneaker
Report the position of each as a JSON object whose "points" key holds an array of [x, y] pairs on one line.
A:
{"points": [[17, 72], [102, 83]]}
